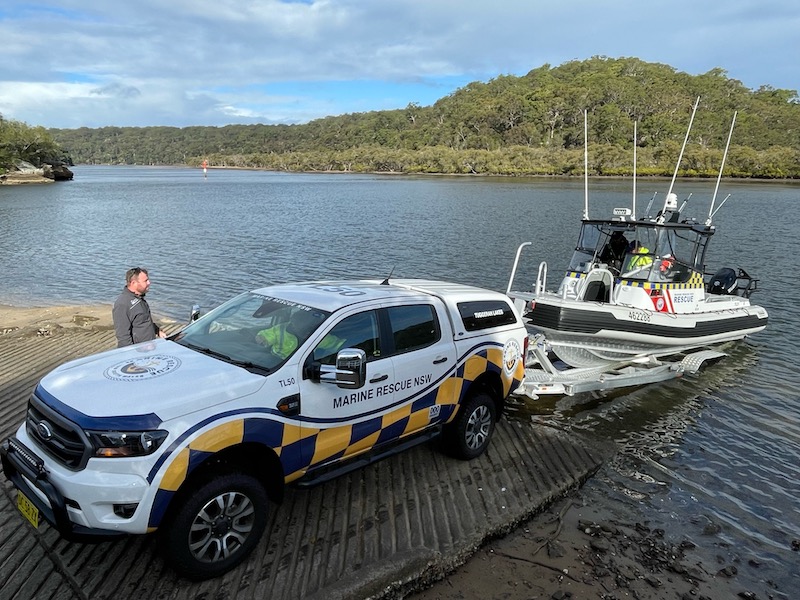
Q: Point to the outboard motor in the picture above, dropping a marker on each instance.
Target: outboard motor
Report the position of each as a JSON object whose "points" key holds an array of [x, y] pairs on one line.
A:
{"points": [[723, 283]]}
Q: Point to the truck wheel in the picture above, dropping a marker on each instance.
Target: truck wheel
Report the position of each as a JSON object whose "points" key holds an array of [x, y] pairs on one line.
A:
{"points": [[469, 435], [218, 525]]}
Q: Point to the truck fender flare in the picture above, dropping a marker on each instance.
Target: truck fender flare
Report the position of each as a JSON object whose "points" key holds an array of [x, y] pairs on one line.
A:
{"points": [[256, 459]]}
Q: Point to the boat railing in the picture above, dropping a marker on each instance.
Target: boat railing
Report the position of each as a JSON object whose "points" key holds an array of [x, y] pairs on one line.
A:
{"points": [[514, 268], [578, 289], [749, 286], [732, 282], [541, 278]]}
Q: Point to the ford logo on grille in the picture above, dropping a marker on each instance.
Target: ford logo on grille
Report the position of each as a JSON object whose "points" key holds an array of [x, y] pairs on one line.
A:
{"points": [[44, 431]]}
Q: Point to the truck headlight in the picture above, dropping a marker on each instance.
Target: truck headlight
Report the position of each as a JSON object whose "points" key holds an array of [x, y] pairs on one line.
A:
{"points": [[113, 444]]}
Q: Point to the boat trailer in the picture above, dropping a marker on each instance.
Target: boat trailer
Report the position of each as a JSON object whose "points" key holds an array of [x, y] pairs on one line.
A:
{"points": [[544, 377]]}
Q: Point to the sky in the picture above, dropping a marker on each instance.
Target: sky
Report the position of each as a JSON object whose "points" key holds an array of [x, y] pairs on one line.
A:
{"points": [[95, 63]]}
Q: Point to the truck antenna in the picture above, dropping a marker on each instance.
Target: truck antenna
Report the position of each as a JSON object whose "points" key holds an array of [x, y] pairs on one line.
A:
{"points": [[386, 281]]}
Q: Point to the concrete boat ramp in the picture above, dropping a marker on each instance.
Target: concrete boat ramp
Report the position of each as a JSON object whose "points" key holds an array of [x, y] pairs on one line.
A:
{"points": [[380, 532]]}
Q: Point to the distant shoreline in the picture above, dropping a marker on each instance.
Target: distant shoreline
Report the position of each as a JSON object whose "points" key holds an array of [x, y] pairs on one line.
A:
{"points": [[478, 175]]}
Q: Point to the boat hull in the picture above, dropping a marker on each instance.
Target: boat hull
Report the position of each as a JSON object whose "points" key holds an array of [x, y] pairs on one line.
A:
{"points": [[589, 333]]}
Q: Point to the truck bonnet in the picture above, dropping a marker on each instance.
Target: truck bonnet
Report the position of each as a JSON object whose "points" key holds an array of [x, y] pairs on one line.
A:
{"points": [[158, 377]]}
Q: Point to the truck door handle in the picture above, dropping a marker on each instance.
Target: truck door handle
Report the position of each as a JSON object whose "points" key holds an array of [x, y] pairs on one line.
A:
{"points": [[439, 361], [379, 378]]}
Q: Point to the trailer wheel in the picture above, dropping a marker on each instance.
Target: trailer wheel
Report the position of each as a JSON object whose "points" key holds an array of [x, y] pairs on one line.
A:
{"points": [[217, 527], [469, 435]]}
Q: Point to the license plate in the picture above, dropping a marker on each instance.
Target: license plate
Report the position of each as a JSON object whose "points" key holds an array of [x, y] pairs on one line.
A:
{"points": [[28, 509]]}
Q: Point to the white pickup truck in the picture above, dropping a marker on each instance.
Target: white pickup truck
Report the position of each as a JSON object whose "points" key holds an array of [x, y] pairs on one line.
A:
{"points": [[194, 435]]}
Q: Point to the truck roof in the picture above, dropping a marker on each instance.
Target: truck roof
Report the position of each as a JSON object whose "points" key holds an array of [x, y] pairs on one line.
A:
{"points": [[443, 288], [333, 295]]}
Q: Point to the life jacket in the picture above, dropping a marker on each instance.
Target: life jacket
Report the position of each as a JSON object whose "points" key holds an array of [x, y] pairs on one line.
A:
{"points": [[281, 342], [640, 258]]}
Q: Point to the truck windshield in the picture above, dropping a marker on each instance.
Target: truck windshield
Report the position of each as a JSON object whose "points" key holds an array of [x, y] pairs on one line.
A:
{"points": [[254, 331]]}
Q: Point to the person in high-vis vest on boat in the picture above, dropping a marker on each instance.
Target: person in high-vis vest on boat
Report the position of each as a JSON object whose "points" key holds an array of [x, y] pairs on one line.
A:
{"points": [[639, 259]]}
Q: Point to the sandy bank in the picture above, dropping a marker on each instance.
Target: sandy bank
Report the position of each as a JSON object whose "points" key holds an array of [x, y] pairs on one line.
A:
{"points": [[47, 320]]}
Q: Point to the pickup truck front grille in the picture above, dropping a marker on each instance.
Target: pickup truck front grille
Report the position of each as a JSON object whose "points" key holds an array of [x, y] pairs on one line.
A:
{"points": [[59, 437]]}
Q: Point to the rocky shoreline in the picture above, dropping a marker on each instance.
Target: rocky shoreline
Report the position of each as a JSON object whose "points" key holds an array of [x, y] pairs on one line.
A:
{"points": [[26, 173], [588, 546]]}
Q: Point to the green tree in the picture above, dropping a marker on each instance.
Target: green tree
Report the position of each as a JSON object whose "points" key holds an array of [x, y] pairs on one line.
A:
{"points": [[19, 141]]}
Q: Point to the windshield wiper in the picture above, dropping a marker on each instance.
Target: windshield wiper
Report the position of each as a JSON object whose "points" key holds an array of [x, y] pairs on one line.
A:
{"points": [[245, 364], [208, 351], [251, 366]]}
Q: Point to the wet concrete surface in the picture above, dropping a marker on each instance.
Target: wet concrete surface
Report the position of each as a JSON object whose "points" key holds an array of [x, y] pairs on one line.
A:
{"points": [[380, 532]]}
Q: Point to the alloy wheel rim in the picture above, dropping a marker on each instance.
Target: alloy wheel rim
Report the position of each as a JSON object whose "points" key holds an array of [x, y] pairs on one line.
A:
{"points": [[478, 427], [221, 527]]}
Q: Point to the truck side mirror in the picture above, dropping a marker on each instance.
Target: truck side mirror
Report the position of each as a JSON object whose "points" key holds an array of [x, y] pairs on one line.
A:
{"points": [[195, 314], [350, 371], [351, 368]]}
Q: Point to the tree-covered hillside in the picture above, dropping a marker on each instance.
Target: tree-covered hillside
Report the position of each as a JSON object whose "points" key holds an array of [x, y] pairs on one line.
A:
{"points": [[511, 125]]}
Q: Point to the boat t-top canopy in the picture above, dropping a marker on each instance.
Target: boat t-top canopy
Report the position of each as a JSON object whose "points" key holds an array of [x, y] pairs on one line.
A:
{"points": [[649, 250]]}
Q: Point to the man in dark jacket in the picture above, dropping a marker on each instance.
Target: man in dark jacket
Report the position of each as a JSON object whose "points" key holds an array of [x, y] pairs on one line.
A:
{"points": [[132, 320]]}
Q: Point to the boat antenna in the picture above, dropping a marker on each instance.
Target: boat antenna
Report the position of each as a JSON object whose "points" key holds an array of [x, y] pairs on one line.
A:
{"points": [[680, 158], [585, 165], [716, 211], [650, 204], [685, 202], [711, 211], [633, 203]]}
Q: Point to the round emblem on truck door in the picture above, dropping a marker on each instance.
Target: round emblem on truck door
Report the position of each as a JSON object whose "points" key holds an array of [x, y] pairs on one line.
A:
{"points": [[44, 431]]}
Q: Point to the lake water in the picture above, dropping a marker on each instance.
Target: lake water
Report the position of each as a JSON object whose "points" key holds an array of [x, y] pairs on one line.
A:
{"points": [[714, 459]]}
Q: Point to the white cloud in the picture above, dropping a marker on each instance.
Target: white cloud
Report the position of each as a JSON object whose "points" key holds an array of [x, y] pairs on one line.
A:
{"points": [[69, 63]]}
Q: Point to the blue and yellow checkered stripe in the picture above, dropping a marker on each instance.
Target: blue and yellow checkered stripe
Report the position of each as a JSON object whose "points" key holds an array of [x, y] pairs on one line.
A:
{"points": [[300, 447], [694, 282]]}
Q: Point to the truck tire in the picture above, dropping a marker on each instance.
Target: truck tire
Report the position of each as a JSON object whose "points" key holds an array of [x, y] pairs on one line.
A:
{"points": [[469, 435], [217, 526]]}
